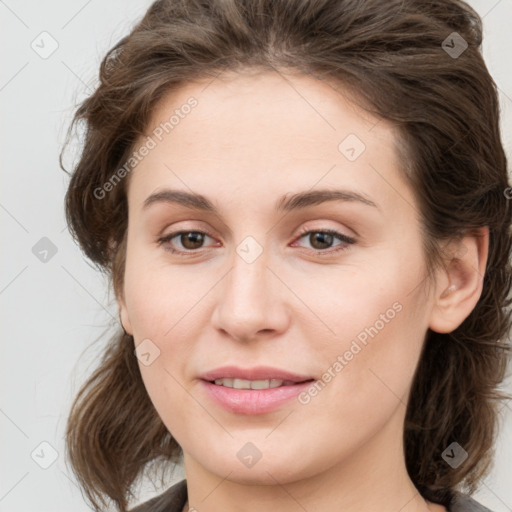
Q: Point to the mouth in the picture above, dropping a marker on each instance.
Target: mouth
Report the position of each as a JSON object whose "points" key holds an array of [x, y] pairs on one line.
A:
{"points": [[255, 384], [253, 391], [258, 375]]}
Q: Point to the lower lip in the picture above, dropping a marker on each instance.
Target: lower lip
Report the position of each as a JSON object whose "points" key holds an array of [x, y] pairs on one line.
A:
{"points": [[253, 401]]}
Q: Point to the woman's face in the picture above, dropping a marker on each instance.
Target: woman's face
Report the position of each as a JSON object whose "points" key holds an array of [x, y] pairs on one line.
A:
{"points": [[248, 289]]}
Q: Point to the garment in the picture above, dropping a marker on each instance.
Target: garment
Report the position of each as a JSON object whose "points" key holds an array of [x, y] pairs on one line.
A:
{"points": [[174, 499]]}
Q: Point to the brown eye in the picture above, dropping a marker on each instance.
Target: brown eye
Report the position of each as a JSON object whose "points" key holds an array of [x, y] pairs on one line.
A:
{"points": [[322, 240], [191, 239], [188, 241]]}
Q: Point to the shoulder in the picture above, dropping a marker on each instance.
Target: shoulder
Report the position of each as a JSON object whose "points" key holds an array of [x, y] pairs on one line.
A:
{"points": [[174, 499], [171, 500], [461, 502]]}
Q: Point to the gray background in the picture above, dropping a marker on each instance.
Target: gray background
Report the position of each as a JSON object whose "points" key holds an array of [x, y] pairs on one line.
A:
{"points": [[51, 311]]}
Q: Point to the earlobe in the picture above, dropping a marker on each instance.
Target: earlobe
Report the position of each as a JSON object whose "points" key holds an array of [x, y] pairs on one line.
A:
{"points": [[460, 284], [124, 318]]}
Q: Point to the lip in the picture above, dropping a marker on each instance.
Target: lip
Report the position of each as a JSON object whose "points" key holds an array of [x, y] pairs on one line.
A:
{"points": [[253, 401], [255, 373]]}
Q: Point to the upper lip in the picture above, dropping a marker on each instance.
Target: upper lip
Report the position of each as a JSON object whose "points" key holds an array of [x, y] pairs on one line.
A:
{"points": [[255, 373]]}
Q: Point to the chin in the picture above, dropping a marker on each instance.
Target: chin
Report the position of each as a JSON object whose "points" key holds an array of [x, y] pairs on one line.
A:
{"points": [[268, 470]]}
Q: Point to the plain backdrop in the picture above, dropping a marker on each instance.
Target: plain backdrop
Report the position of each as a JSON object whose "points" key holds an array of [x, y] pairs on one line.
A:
{"points": [[53, 302]]}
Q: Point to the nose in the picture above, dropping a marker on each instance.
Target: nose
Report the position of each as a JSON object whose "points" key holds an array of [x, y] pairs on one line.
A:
{"points": [[251, 301]]}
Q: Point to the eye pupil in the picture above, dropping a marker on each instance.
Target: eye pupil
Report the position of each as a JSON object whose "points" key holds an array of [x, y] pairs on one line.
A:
{"points": [[325, 238], [195, 236]]}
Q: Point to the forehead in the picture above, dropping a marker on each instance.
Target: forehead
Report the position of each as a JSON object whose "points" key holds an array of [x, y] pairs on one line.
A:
{"points": [[256, 132], [263, 104]]}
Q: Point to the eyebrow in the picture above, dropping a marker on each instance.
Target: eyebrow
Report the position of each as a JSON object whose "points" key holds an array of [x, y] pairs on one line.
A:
{"points": [[286, 203]]}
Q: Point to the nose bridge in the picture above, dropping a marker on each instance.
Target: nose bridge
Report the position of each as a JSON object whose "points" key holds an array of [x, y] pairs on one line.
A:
{"points": [[247, 283], [247, 303]]}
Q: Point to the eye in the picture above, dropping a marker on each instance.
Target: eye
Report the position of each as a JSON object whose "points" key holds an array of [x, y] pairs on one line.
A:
{"points": [[319, 239], [190, 241], [322, 240]]}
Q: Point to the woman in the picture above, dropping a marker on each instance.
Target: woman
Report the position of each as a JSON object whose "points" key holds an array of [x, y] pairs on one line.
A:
{"points": [[302, 207]]}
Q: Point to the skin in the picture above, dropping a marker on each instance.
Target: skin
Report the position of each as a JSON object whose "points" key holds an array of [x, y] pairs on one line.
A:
{"points": [[251, 139]]}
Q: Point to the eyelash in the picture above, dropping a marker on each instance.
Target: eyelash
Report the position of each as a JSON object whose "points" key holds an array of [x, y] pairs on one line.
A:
{"points": [[340, 236]]}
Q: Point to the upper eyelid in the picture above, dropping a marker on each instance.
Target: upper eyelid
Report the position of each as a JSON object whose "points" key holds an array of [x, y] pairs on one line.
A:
{"points": [[324, 227]]}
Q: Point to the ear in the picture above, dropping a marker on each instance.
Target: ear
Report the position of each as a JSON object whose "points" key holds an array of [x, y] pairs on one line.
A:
{"points": [[124, 318], [460, 284]]}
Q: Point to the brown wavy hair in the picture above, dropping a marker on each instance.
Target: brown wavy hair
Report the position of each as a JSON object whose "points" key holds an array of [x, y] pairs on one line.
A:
{"points": [[390, 54]]}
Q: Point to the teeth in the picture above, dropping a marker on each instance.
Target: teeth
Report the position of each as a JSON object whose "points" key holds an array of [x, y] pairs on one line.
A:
{"points": [[252, 384]]}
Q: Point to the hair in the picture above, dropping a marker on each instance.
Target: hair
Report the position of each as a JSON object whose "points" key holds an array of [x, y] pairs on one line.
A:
{"points": [[389, 53]]}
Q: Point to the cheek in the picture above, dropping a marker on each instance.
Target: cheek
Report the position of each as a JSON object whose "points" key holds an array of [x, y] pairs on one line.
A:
{"points": [[367, 376], [378, 320], [158, 298], [376, 301]]}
